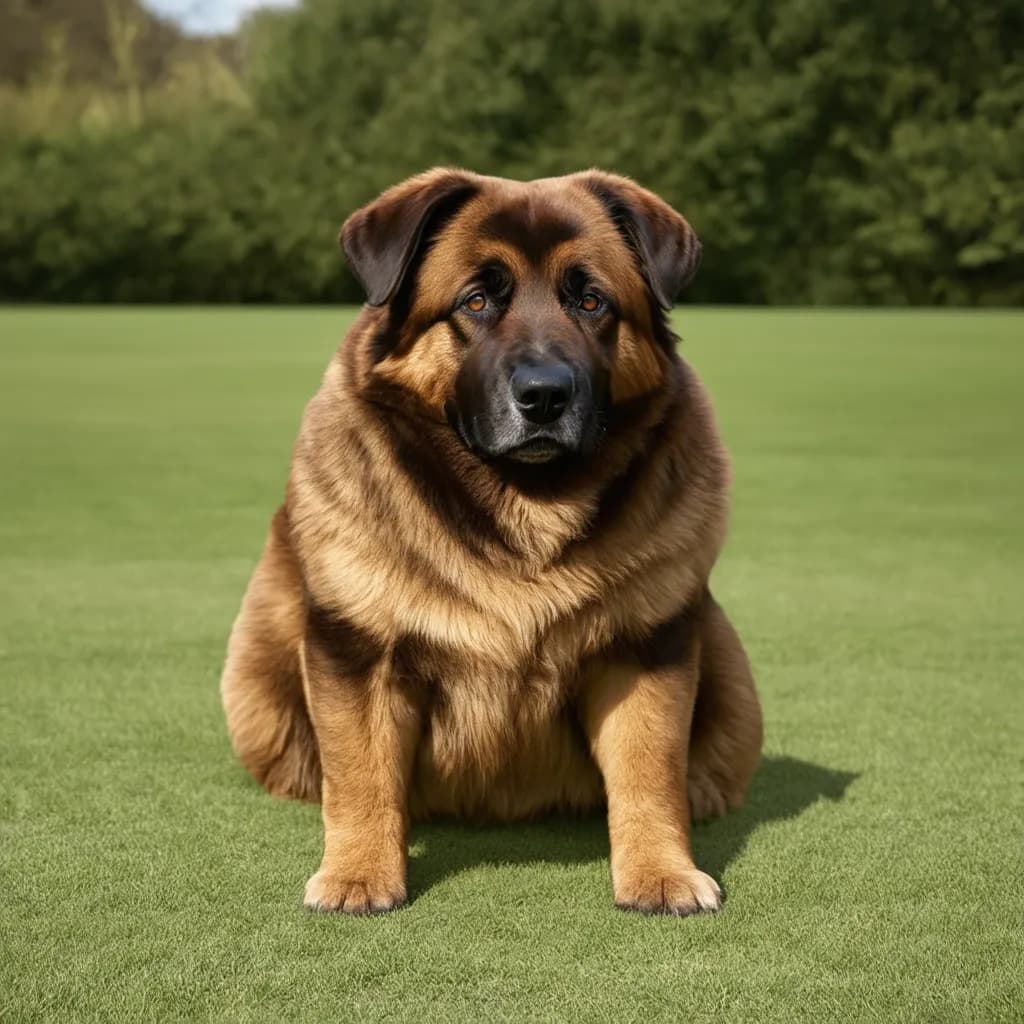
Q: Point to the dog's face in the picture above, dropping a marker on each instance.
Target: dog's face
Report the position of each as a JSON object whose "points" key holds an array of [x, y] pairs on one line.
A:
{"points": [[521, 313]]}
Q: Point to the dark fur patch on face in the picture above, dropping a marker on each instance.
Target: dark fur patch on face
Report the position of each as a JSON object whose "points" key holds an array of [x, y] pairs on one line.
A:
{"points": [[532, 230]]}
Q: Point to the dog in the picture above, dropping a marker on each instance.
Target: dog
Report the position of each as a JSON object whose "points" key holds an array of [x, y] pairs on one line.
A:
{"points": [[486, 592]]}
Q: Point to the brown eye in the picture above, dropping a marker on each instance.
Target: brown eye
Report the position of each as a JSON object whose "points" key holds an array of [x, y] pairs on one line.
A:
{"points": [[476, 303], [591, 303]]}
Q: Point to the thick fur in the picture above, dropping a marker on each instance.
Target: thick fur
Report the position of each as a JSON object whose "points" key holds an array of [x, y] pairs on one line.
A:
{"points": [[429, 632]]}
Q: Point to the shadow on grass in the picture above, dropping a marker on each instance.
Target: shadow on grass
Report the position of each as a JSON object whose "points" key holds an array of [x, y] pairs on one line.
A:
{"points": [[782, 789]]}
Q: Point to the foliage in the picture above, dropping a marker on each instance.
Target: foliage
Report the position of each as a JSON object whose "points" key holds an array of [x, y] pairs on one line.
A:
{"points": [[826, 151], [208, 211]]}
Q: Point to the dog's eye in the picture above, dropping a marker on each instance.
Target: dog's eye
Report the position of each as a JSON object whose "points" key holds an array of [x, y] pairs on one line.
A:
{"points": [[475, 303], [591, 303]]}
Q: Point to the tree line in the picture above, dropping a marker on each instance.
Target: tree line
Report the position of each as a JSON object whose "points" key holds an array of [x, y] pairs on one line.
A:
{"points": [[827, 151]]}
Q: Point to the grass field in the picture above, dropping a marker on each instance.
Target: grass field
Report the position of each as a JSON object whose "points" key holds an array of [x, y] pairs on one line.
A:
{"points": [[875, 569]]}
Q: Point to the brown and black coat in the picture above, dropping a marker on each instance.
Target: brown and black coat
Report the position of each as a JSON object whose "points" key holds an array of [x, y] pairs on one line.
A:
{"points": [[432, 632]]}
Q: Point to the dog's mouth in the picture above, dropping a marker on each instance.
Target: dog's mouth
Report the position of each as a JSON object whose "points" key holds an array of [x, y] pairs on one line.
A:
{"points": [[537, 450], [534, 451]]}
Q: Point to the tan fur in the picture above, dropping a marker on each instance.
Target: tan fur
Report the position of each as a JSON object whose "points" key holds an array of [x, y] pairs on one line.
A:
{"points": [[638, 723], [268, 719], [503, 674]]}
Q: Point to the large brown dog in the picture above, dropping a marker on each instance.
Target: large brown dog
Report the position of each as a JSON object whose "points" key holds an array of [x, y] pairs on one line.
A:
{"points": [[486, 593]]}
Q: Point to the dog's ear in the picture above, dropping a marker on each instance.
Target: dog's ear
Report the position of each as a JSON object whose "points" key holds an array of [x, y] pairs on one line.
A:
{"points": [[666, 247], [382, 238]]}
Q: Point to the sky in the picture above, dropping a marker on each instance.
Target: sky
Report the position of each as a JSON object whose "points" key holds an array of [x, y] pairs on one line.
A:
{"points": [[207, 17]]}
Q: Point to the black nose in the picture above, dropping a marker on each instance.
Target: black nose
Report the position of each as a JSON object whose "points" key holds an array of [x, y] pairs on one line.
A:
{"points": [[542, 391]]}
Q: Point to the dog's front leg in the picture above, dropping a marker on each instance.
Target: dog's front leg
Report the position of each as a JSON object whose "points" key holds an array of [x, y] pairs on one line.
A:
{"points": [[637, 717], [366, 725]]}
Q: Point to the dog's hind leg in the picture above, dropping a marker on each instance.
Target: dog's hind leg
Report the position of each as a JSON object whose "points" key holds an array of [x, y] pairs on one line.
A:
{"points": [[262, 682], [725, 739]]}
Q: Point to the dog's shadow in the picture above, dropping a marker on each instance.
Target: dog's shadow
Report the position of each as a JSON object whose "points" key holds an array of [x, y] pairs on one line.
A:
{"points": [[782, 789]]}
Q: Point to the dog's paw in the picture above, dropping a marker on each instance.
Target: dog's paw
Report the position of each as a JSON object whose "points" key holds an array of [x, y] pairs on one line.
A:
{"points": [[329, 891], [677, 893]]}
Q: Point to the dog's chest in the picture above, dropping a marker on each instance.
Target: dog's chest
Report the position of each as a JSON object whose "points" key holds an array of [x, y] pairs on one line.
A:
{"points": [[501, 743], [502, 736], [478, 712]]}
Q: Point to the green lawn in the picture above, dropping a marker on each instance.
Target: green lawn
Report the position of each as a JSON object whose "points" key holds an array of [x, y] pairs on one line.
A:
{"points": [[875, 570]]}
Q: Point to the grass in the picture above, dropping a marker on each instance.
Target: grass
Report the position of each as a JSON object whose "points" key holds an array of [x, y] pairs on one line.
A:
{"points": [[874, 570]]}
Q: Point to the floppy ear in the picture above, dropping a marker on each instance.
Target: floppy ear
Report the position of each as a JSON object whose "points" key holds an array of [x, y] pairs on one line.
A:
{"points": [[666, 247], [381, 239]]}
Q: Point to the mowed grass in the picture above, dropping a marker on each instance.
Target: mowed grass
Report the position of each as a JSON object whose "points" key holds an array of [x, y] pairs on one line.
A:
{"points": [[876, 572]]}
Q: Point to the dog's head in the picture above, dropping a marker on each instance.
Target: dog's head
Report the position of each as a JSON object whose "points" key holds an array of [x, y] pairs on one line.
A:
{"points": [[522, 313]]}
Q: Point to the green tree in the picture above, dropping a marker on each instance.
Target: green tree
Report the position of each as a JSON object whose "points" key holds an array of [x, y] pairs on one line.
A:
{"points": [[826, 150]]}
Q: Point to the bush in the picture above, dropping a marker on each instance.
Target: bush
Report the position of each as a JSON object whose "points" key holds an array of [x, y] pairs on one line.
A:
{"points": [[826, 152], [225, 209]]}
